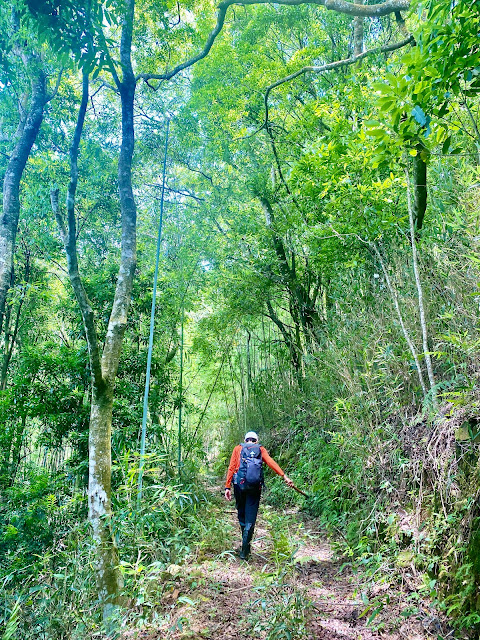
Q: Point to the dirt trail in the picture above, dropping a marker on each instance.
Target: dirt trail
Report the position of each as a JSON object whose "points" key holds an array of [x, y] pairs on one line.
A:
{"points": [[314, 595]]}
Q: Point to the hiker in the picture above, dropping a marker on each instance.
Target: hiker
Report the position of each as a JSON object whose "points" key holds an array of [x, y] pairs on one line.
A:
{"points": [[246, 470]]}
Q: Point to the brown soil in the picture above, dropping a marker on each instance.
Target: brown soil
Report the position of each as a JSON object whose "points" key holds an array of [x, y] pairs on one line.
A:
{"points": [[221, 597]]}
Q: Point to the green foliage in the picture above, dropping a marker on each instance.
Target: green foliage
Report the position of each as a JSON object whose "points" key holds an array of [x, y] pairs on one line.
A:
{"points": [[11, 627], [428, 97], [283, 549], [290, 325], [46, 535], [283, 611]]}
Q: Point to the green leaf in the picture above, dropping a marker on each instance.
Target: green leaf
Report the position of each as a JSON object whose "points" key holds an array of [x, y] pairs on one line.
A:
{"points": [[377, 133], [386, 104], [419, 115]]}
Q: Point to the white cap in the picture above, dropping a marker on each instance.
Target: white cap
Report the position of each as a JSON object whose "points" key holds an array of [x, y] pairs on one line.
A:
{"points": [[251, 434]]}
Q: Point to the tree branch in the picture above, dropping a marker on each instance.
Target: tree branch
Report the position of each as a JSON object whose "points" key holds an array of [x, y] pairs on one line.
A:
{"points": [[110, 61], [334, 65], [52, 95], [221, 14], [340, 6], [69, 239]]}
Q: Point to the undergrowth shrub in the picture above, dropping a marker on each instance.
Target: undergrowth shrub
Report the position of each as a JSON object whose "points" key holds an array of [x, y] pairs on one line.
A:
{"points": [[393, 480], [46, 568], [280, 612], [279, 528]]}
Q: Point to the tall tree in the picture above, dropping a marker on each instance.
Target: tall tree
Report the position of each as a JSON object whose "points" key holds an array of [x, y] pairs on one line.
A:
{"points": [[33, 96], [104, 363]]}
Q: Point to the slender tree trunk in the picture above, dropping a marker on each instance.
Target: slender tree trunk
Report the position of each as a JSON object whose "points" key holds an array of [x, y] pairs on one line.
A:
{"points": [[295, 315], [234, 387], [358, 35], [11, 333], [27, 133], [104, 366], [10, 341], [420, 189], [421, 306], [108, 578], [408, 339], [16, 450], [109, 581], [6, 338], [249, 362]]}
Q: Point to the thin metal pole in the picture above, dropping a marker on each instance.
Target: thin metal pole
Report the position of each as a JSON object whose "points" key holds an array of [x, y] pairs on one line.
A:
{"points": [[152, 324], [180, 392]]}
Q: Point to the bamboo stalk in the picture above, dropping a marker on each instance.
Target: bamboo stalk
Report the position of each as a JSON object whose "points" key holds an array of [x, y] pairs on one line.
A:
{"points": [[408, 339], [421, 306]]}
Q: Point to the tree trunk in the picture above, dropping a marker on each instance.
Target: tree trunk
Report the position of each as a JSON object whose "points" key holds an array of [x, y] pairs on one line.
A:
{"points": [[16, 450], [11, 333], [295, 354], [299, 297], [421, 306], [408, 339], [103, 365], [28, 130], [108, 578], [420, 188], [358, 35]]}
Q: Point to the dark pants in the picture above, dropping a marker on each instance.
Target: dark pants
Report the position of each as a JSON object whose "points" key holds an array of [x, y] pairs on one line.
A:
{"points": [[247, 503]]}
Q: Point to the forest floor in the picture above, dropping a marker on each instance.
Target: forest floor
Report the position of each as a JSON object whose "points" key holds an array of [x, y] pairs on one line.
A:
{"points": [[293, 586]]}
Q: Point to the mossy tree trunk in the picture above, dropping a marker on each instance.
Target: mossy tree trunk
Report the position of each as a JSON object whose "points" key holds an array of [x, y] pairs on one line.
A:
{"points": [[108, 578], [104, 365]]}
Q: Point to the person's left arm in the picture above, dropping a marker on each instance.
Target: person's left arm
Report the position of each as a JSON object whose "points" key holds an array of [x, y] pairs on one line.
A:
{"points": [[232, 468]]}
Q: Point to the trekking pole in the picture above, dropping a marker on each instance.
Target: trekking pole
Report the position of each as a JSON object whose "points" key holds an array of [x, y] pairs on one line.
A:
{"points": [[300, 491]]}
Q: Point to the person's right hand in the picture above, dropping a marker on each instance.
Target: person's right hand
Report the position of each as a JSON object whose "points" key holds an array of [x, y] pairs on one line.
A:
{"points": [[228, 494]]}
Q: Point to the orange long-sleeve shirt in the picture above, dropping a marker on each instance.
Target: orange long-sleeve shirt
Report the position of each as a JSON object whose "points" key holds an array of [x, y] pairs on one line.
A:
{"points": [[234, 465]]}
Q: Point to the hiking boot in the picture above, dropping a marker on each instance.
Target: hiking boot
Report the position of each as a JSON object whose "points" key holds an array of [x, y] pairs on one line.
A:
{"points": [[245, 551], [239, 549], [246, 539]]}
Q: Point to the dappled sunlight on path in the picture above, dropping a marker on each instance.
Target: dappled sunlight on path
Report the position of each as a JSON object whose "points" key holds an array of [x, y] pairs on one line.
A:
{"points": [[293, 587]]}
